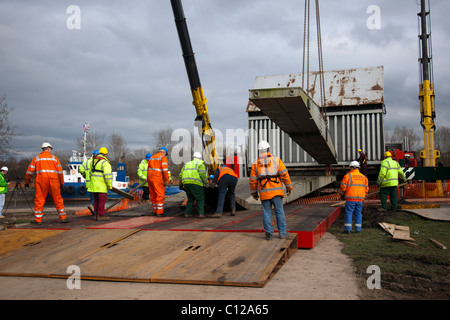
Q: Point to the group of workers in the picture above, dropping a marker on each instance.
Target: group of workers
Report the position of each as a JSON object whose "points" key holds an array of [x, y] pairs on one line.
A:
{"points": [[267, 177], [268, 180], [193, 178], [355, 186], [46, 170]]}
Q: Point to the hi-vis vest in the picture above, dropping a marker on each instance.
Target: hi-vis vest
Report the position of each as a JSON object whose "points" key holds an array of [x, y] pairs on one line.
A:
{"points": [[223, 170], [142, 172], [46, 166], [84, 169], [3, 184], [158, 168], [390, 171], [354, 186], [268, 175], [101, 175], [194, 172]]}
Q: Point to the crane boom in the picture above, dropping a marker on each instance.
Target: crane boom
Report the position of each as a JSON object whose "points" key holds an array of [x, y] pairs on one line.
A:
{"points": [[426, 95], [199, 101]]}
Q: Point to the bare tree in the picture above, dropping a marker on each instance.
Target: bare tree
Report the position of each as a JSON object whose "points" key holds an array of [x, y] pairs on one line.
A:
{"points": [[140, 153], [6, 128], [164, 139], [117, 148], [400, 133], [442, 143], [94, 140]]}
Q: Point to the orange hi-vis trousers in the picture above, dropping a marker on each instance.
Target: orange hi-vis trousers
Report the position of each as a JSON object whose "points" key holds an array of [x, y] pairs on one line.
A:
{"points": [[45, 186], [157, 191], [157, 174]]}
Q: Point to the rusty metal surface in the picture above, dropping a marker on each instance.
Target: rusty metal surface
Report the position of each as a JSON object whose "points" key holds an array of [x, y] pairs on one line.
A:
{"points": [[349, 87], [297, 115]]}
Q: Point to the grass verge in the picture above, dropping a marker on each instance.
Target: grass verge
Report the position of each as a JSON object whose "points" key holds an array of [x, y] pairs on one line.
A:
{"points": [[419, 272]]}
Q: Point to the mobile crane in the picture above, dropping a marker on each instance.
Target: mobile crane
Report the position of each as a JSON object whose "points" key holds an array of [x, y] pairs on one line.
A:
{"points": [[426, 95], [202, 120]]}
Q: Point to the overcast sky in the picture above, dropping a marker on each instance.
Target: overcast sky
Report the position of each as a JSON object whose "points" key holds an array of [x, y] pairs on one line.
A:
{"points": [[122, 70]]}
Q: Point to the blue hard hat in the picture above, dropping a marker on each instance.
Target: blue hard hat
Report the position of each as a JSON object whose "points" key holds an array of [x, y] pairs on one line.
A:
{"points": [[148, 156], [165, 149], [95, 152]]}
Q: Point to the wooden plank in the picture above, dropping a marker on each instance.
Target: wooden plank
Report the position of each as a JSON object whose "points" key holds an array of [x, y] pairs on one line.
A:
{"points": [[438, 244], [48, 255], [240, 259], [388, 227], [138, 257], [402, 233], [122, 193], [13, 239], [397, 232], [131, 223]]}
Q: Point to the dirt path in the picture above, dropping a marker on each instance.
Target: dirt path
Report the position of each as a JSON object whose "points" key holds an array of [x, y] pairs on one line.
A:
{"points": [[319, 273]]}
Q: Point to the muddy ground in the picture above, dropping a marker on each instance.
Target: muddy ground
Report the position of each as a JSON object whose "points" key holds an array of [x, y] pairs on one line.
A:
{"points": [[397, 285]]}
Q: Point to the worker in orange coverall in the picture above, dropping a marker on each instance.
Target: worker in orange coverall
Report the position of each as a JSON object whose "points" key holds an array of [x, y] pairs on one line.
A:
{"points": [[157, 177], [49, 180]]}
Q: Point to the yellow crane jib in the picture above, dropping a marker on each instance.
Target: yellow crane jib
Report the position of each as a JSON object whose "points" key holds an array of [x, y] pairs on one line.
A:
{"points": [[202, 120], [429, 155], [427, 111], [426, 95]]}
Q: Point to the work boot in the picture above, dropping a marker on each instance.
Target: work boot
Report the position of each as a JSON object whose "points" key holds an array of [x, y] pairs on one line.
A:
{"points": [[381, 210], [36, 222], [233, 212], [201, 216], [285, 236], [64, 220], [268, 236], [215, 215], [103, 218]]}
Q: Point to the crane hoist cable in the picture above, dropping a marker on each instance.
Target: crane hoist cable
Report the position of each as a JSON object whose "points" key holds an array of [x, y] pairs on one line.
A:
{"points": [[306, 54]]}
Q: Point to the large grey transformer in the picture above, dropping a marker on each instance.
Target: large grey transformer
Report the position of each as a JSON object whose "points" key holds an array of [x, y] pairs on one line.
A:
{"points": [[354, 110]]}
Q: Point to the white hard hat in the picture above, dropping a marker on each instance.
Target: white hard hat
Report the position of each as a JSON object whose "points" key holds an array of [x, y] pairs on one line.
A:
{"points": [[354, 164], [4, 169], [263, 145], [197, 155], [45, 145]]}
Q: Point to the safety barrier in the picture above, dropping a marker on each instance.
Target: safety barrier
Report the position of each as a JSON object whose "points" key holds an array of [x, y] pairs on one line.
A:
{"points": [[410, 191]]}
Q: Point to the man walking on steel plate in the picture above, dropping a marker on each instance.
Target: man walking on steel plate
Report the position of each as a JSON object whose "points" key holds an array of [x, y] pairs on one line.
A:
{"points": [[268, 174]]}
